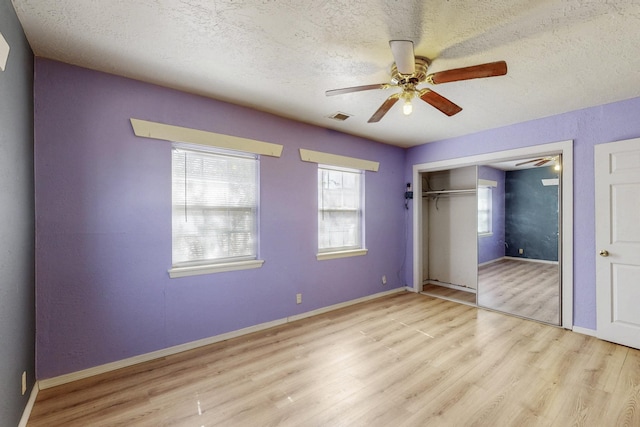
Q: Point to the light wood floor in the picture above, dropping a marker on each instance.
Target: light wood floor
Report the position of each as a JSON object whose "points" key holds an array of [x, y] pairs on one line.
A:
{"points": [[402, 360], [524, 288], [449, 293]]}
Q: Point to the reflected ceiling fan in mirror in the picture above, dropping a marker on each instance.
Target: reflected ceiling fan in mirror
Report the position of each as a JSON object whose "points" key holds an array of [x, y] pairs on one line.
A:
{"points": [[409, 71], [539, 162]]}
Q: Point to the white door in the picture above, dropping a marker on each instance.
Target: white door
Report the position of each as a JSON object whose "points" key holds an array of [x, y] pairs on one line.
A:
{"points": [[617, 192]]}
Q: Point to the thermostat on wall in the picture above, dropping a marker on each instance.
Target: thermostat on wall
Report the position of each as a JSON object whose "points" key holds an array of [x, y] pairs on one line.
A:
{"points": [[4, 52]]}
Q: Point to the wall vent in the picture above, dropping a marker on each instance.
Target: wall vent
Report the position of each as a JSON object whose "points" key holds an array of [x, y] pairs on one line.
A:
{"points": [[341, 117]]}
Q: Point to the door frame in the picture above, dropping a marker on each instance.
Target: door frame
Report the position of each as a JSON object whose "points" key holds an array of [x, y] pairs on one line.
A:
{"points": [[565, 148]]}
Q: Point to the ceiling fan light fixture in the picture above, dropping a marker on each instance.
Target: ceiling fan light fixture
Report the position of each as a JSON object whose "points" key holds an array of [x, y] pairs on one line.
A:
{"points": [[407, 108], [407, 95]]}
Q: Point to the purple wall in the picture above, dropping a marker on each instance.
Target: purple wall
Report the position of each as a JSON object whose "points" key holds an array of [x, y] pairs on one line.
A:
{"points": [[492, 247], [588, 127], [103, 223]]}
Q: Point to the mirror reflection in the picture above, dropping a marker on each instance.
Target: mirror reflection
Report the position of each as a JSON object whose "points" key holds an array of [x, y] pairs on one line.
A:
{"points": [[518, 247]]}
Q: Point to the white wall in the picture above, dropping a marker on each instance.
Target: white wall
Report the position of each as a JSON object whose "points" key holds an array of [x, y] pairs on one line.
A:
{"points": [[451, 232]]}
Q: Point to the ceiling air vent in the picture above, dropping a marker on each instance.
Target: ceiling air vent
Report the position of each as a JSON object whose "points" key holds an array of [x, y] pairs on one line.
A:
{"points": [[341, 117]]}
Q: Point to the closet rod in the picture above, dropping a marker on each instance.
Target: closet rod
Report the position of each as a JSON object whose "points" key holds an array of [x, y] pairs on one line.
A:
{"points": [[471, 190]]}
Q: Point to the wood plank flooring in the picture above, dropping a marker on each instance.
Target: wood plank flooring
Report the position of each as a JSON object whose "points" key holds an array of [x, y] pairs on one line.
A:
{"points": [[524, 288], [449, 293], [401, 360]]}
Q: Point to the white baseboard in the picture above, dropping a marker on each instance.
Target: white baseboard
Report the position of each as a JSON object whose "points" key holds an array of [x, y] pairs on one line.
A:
{"points": [[112, 366], [27, 409], [515, 258], [342, 305], [482, 264], [540, 261], [450, 286], [584, 331]]}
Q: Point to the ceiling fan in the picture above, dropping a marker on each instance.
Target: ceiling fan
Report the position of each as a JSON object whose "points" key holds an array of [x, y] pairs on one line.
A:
{"points": [[539, 162], [409, 71]]}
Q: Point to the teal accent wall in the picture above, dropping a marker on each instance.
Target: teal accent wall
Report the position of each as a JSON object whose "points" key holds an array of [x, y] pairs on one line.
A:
{"points": [[531, 214]]}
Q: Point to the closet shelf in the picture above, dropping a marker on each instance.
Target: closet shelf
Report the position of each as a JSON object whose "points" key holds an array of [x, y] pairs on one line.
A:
{"points": [[436, 192]]}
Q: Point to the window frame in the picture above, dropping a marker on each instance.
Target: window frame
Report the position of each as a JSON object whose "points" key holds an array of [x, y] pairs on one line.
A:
{"points": [[359, 248], [487, 189], [222, 264]]}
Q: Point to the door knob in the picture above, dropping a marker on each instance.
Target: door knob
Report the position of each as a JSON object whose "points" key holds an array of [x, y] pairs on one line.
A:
{"points": [[604, 252]]}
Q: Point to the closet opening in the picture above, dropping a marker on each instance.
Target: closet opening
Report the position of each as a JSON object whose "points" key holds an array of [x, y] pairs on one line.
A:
{"points": [[449, 224], [498, 236]]}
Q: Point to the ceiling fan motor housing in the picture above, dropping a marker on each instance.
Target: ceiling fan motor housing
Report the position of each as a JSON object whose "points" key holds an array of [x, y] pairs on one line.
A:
{"points": [[419, 75]]}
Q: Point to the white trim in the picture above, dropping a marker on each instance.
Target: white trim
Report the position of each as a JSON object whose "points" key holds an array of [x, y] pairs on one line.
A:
{"points": [[108, 367], [491, 261], [112, 366], [196, 270], [147, 129], [427, 293], [585, 331], [4, 52], [487, 183], [27, 409], [343, 304], [563, 147], [322, 256], [336, 160], [450, 286], [540, 261]]}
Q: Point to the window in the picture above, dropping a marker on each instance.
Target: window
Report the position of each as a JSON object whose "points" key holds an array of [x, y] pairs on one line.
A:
{"points": [[340, 209], [214, 208], [340, 203], [484, 210]]}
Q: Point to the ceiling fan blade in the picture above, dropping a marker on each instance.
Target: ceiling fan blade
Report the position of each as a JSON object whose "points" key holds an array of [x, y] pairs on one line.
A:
{"points": [[491, 69], [403, 56], [542, 162], [384, 108], [440, 102], [356, 89], [528, 161]]}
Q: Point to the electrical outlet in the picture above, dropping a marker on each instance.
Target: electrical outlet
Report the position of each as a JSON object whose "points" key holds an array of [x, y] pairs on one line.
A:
{"points": [[520, 251], [384, 279], [24, 382], [298, 298]]}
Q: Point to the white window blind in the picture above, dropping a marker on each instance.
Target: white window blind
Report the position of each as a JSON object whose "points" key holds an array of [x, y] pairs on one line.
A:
{"points": [[340, 209], [214, 206], [484, 210]]}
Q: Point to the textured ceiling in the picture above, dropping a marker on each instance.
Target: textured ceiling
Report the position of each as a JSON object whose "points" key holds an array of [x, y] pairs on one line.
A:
{"points": [[281, 55]]}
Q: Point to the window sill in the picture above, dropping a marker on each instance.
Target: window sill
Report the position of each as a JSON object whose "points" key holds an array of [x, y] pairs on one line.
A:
{"points": [[341, 254], [485, 234], [214, 268]]}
